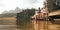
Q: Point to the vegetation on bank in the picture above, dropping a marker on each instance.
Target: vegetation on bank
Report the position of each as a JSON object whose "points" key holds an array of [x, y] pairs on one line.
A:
{"points": [[23, 19], [24, 16], [53, 5]]}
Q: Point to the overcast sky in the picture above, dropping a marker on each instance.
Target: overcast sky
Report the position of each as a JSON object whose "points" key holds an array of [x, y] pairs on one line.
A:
{"points": [[12, 4]]}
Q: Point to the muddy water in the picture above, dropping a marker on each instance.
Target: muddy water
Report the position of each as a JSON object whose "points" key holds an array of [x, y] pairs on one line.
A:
{"points": [[43, 25], [8, 27], [39, 25]]}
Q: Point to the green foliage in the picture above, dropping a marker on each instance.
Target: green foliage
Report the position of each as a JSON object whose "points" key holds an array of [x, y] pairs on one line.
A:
{"points": [[24, 16], [23, 19], [51, 4]]}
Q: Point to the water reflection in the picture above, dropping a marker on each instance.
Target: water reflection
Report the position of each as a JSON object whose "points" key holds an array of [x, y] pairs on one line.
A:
{"points": [[42, 25]]}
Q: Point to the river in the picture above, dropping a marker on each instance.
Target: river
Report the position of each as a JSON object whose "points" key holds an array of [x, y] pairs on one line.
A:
{"points": [[40, 25], [8, 27], [43, 25]]}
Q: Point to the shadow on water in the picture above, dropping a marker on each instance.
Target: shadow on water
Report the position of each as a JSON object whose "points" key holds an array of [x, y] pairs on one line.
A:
{"points": [[57, 22], [55, 25]]}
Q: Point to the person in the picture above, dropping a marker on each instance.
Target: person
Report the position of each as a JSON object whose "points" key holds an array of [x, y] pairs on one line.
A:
{"points": [[44, 12], [39, 10]]}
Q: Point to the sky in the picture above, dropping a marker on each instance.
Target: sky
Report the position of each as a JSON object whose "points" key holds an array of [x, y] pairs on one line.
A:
{"points": [[22, 4]]}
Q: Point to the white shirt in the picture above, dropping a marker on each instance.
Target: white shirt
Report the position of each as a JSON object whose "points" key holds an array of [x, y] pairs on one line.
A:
{"points": [[44, 11]]}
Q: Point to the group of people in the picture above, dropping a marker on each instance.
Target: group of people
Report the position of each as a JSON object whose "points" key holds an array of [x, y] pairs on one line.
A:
{"points": [[42, 13]]}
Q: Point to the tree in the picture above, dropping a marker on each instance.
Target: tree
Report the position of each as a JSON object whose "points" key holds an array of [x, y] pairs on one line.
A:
{"points": [[51, 4], [23, 18]]}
